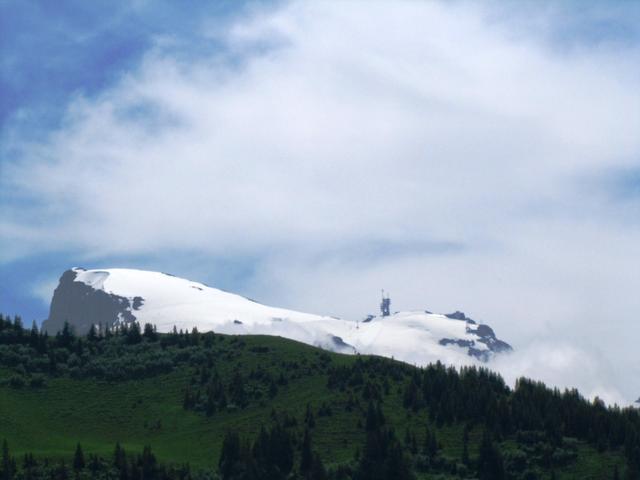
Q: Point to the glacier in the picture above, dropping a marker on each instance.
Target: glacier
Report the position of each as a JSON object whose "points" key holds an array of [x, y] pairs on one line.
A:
{"points": [[118, 295]]}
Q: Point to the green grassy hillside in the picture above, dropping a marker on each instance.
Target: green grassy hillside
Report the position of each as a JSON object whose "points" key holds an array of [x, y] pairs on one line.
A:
{"points": [[181, 394]]}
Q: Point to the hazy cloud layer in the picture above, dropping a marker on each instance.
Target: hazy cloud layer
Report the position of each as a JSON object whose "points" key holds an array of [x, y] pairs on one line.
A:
{"points": [[457, 155]]}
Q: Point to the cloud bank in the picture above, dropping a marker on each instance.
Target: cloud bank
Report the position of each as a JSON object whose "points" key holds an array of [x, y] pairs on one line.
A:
{"points": [[454, 153]]}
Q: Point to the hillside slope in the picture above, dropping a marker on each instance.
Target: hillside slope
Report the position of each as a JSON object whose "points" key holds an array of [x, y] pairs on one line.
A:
{"points": [[181, 393]]}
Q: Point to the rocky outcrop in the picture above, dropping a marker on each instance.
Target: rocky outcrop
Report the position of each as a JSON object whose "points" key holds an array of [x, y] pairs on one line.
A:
{"points": [[488, 337], [485, 335], [458, 315], [81, 306]]}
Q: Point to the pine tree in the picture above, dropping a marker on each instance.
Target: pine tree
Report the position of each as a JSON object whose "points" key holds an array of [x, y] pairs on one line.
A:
{"points": [[78, 459], [120, 461], [64, 339], [375, 418], [149, 464], [465, 445], [309, 419], [306, 455], [237, 390], [273, 388], [34, 337], [430, 443], [8, 466], [397, 465], [150, 333], [195, 336], [490, 463], [133, 334], [230, 455], [317, 471], [92, 336]]}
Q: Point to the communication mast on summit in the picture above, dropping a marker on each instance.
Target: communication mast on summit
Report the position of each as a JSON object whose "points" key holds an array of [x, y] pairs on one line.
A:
{"points": [[385, 305]]}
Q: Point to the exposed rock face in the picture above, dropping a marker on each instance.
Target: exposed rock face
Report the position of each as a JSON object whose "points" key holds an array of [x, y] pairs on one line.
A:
{"points": [[339, 342], [488, 337], [458, 315], [485, 335], [81, 306]]}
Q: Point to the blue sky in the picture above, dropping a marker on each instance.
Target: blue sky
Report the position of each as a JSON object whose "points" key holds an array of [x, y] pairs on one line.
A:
{"points": [[53, 53], [463, 155]]}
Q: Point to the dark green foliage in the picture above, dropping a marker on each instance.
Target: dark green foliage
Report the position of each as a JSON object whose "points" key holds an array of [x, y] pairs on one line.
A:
{"points": [[78, 459], [8, 466], [306, 455], [465, 445], [490, 462], [273, 453], [430, 443], [150, 333], [135, 467], [529, 432], [270, 457], [309, 419], [383, 456], [133, 334], [233, 458]]}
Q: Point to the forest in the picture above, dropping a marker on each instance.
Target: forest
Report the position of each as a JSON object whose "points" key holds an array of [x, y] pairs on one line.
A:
{"points": [[270, 408]]}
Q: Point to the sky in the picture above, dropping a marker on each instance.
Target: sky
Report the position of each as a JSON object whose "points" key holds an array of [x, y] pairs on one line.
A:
{"points": [[475, 156]]}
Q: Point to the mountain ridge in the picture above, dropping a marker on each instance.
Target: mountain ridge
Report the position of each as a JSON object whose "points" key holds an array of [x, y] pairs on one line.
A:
{"points": [[109, 297]]}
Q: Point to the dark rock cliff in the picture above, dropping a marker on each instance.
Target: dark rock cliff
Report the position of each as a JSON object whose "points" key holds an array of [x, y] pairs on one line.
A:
{"points": [[81, 306]]}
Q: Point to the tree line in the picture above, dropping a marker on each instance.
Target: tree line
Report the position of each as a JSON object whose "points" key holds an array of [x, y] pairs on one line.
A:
{"points": [[545, 424]]}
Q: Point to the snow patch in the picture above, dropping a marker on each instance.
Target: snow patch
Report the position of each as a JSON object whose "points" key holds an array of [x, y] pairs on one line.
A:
{"points": [[166, 301]]}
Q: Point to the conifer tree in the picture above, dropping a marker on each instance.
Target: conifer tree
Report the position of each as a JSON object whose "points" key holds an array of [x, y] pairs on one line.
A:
{"points": [[230, 455], [34, 337], [149, 332], [430, 443], [120, 461], [133, 334], [397, 466], [309, 419], [92, 336], [490, 463], [148, 464], [8, 466], [306, 455], [78, 459], [465, 445], [273, 388], [64, 338], [317, 471]]}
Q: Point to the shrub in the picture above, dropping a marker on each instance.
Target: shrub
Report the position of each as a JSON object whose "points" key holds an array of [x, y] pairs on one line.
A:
{"points": [[37, 381], [17, 381]]}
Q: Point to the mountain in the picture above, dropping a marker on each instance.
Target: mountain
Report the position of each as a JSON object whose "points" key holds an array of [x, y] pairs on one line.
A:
{"points": [[114, 296]]}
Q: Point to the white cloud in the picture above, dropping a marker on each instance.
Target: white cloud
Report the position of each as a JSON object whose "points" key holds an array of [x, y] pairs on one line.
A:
{"points": [[341, 126], [564, 364]]}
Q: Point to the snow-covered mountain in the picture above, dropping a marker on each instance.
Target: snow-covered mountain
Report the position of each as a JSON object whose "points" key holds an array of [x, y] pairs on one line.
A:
{"points": [[111, 296]]}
